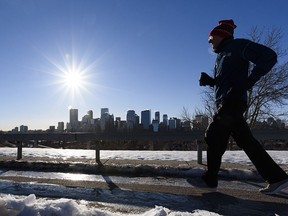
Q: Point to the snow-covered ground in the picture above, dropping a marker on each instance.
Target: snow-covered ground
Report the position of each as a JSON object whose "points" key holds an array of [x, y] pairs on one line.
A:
{"points": [[32, 205], [281, 157]]}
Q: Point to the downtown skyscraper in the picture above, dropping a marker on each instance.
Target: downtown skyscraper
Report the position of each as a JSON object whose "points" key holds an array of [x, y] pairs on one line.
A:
{"points": [[146, 119]]}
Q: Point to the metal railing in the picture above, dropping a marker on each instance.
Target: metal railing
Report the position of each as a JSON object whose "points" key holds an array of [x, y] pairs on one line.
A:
{"points": [[150, 136]]}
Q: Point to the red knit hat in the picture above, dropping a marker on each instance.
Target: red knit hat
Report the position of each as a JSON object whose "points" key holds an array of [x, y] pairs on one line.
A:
{"points": [[224, 29]]}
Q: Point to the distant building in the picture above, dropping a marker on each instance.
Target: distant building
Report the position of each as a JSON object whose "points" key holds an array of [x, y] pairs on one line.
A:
{"points": [[132, 120], [90, 114], [187, 125], [146, 119], [15, 130], [60, 126], [73, 123], [106, 120], [118, 124], [51, 129], [103, 111], [73, 116], [23, 129], [157, 116], [88, 118], [165, 120], [200, 122], [172, 124], [155, 125]]}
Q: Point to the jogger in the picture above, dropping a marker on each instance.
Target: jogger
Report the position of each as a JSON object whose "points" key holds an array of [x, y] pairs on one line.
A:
{"points": [[231, 82]]}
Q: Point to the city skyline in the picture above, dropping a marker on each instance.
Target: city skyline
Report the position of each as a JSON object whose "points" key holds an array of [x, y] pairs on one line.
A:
{"points": [[133, 120], [58, 54], [75, 118]]}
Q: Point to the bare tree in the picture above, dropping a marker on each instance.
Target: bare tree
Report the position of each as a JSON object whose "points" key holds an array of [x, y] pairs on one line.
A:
{"points": [[186, 116], [270, 94], [208, 100]]}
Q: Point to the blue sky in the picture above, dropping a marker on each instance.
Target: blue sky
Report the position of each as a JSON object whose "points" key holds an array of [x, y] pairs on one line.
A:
{"points": [[131, 54]]}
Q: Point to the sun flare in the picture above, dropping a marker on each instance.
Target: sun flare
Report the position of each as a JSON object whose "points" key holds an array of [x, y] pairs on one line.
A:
{"points": [[73, 79], [75, 76]]}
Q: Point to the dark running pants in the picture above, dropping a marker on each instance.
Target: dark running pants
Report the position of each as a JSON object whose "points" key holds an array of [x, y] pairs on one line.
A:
{"points": [[229, 121]]}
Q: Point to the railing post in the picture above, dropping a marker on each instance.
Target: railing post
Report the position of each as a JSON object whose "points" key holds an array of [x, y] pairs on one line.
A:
{"points": [[97, 153], [199, 152], [19, 150]]}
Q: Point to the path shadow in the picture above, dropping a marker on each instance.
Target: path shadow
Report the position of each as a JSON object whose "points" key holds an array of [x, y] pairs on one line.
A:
{"points": [[109, 182], [217, 202], [229, 205], [225, 204]]}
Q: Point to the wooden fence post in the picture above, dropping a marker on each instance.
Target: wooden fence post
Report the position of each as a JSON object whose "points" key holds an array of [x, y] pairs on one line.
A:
{"points": [[19, 150], [199, 152], [97, 153]]}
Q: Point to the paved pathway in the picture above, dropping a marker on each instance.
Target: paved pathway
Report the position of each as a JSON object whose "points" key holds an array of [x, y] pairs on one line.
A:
{"points": [[141, 191]]}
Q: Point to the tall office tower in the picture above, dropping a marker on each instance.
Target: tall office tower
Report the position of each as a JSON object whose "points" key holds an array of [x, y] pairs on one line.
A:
{"points": [[104, 110], [132, 119], [146, 119], [73, 120], [157, 116], [106, 120], [165, 119], [73, 116]]}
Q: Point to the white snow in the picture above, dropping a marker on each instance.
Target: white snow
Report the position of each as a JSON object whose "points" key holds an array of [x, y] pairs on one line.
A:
{"points": [[34, 206]]}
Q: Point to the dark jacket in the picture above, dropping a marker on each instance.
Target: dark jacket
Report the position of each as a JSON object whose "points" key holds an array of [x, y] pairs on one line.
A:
{"points": [[231, 68]]}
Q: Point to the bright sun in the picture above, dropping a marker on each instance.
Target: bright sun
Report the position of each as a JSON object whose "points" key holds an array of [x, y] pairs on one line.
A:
{"points": [[73, 79], [73, 76]]}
